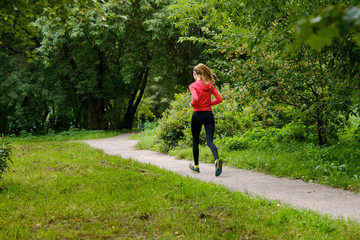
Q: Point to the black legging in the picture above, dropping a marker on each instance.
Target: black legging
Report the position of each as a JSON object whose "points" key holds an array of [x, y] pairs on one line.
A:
{"points": [[198, 119]]}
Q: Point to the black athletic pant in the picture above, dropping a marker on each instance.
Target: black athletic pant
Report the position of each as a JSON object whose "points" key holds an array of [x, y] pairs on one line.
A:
{"points": [[198, 119]]}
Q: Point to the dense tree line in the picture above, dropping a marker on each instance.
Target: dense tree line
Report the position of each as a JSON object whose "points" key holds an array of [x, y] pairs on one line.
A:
{"points": [[87, 64], [99, 64]]}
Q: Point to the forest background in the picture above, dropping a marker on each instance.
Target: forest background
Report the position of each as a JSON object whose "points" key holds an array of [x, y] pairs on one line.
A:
{"points": [[288, 70]]}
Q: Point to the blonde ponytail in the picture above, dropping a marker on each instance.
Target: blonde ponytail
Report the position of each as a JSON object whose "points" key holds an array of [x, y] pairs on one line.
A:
{"points": [[206, 74]]}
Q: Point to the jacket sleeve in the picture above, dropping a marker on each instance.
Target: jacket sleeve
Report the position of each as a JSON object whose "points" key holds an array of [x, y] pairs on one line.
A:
{"points": [[218, 99], [194, 95]]}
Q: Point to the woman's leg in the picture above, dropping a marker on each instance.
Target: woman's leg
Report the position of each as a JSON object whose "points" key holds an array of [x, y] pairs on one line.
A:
{"points": [[196, 125], [210, 129]]}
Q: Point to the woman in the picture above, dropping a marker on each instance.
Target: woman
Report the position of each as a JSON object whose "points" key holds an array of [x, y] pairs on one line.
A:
{"points": [[201, 91]]}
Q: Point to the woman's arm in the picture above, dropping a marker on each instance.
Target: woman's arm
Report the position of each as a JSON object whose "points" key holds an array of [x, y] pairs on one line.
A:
{"points": [[194, 95], [218, 98]]}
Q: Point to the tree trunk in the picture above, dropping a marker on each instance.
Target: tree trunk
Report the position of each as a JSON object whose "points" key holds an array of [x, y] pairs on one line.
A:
{"points": [[321, 129], [95, 112], [96, 105], [3, 121], [77, 104], [134, 101]]}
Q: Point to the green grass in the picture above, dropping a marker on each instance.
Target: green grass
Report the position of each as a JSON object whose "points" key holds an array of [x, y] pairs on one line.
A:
{"points": [[296, 160], [67, 190], [335, 165], [147, 140], [65, 136]]}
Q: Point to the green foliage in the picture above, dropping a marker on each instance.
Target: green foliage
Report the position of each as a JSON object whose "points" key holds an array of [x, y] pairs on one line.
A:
{"points": [[175, 122], [291, 151], [267, 138], [351, 134], [297, 132], [5, 155], [285, 152], [147, 136], [174, 126], [145, 111], [249, 42], [235, 143], [91, 64], [232, 118], [332, 22], [288, 149]]}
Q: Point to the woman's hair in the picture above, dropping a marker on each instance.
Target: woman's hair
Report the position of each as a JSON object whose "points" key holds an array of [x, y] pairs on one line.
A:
{"points": [[207, 76]]}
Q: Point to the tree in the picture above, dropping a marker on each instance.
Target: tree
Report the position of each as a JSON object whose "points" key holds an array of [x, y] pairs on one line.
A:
{"points": [[253, 38], [90, 67], [24, 101]]}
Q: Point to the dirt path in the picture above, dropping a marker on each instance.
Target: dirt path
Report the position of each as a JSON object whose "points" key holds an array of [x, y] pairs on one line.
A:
{"points": [[323, 199]]}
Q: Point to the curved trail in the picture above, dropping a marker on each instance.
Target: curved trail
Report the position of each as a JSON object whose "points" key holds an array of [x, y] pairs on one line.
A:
{"points": [[323, 199]]}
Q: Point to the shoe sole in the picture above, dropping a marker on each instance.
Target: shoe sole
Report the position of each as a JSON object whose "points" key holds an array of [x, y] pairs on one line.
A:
{"points": [[218, 167]]}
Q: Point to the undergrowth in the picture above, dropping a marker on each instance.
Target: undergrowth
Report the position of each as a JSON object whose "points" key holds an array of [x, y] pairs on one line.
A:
{"points": [[287, 152]]}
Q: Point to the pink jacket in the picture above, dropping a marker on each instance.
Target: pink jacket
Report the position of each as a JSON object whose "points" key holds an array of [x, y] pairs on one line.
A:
{"points": [[201, 94]]}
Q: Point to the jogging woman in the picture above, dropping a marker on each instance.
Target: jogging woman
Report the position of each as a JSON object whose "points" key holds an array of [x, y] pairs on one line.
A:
{"points": [[201, 91]]}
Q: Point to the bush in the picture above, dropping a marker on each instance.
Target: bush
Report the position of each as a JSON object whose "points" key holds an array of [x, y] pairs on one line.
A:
{"points": [[351, 134], [174, 127], [297, 131], [262, 138], [235, 143], [267, 137], [239, 126], [175, 120], [232, 118], [5, 151]]}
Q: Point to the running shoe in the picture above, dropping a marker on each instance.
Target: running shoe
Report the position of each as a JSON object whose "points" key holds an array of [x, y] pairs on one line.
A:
{"points": [[192, 167], [218, 167]]}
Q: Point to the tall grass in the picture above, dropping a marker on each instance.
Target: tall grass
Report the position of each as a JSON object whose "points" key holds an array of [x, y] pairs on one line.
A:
{"points": [[67, 190]]}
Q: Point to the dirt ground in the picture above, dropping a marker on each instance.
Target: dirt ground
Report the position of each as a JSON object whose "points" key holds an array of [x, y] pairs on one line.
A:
{"points": [[334, 202]]}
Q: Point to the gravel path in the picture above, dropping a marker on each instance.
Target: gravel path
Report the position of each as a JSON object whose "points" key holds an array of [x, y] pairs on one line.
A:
{"points": [[325, 200]]}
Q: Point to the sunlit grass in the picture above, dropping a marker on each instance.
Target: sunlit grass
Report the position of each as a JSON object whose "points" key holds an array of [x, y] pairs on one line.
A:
{"points": [[67, 190]]}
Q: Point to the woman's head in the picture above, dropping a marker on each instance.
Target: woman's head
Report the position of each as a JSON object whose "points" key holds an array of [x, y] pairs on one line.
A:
{"points": [[205, 73]]}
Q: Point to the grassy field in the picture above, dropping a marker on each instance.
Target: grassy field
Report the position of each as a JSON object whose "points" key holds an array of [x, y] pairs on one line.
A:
{"points": [[67, 190]]}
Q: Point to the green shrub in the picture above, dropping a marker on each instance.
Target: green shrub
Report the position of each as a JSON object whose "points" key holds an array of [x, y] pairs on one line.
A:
{"points": [[270, 115], [298, 131], [5, 152], [351, 134], [264, 138], [174, 127], [147, 136], [239, 126], [233, 117], [174, 121], [235, 143]]}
